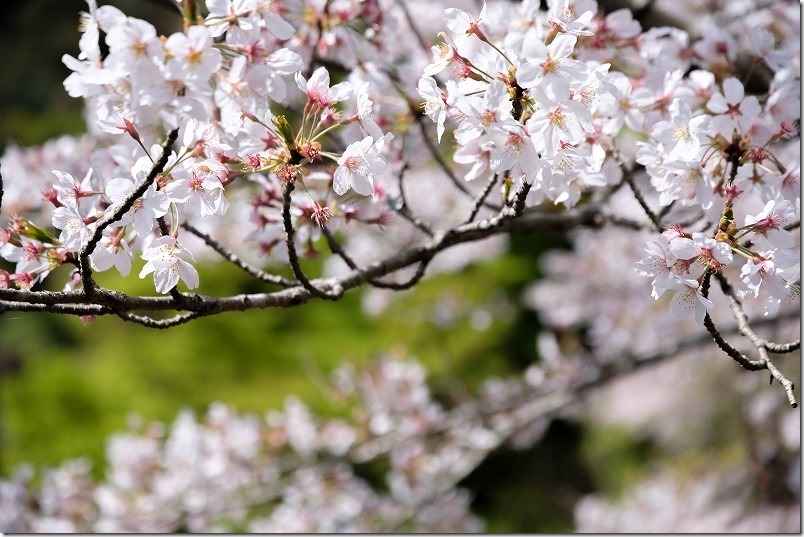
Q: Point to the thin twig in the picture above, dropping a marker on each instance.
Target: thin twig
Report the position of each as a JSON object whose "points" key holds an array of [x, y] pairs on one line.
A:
{"points": [[481, 198], [150, 322], [338, 250], [234, 259], [736, 355], [783, 348], [405, 211], [436, 154], [629, 180], [412, 25], [745, 329], [786, 383]]}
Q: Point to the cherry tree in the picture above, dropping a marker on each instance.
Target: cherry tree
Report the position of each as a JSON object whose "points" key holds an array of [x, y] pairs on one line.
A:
{"points": [[264, 132]]}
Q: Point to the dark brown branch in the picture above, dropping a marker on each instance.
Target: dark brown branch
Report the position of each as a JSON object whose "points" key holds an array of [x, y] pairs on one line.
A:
{"points": [[123, 208], [629, 180], [736, 355], [293, 257], [404, 210], [446, 168], [745, 329], [107, 302]]}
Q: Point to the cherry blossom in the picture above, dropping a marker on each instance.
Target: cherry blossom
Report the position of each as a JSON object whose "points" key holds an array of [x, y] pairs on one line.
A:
{"points": [[192, 58], [549, 66], [683, 134], [434, 103], [357, 167], [145, 210], [319, 94], [169, 261], [668, 158], [734, 108], [74, 231]]}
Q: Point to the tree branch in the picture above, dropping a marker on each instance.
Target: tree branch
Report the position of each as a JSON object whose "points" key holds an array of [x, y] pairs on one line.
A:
{"points": [[293, 256], [123, 208], [745, 329], [105, 302]]}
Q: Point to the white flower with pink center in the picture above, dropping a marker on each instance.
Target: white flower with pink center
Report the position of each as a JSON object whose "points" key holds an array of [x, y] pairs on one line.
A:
{"points": [[193, 60], [683, 134], [319, 95], [169, 261], [357, 167]]}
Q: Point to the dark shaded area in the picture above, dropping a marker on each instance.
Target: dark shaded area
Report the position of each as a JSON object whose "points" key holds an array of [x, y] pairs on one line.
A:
{"points": [[36, 34], [534, 490]]}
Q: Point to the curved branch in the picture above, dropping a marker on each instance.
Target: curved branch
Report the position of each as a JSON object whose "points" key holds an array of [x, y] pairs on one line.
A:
{"points": [[481, 198], [724, 345], [105, 302], [337, 249], [745, 329]]}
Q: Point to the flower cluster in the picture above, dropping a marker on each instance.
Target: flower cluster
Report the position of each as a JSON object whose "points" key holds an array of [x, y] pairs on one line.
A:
{"points": [[219, 83], [541, 107]]}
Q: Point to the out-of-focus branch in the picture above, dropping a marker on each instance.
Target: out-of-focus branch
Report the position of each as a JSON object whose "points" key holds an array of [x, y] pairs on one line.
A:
{"points": [[409, 18]]}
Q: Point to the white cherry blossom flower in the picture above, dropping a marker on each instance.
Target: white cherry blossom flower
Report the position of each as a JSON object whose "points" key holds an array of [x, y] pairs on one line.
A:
{"points": [[169, 261], [193, 60], [68, 190], [734, 109], [357, 167], [572, 16], [113, 250], [434, 102], [201, 191], [484, 115], [74, 231], [687, 300], [702, 249], [549, 66], [462, 23], [144, 211], [319, 93], [769, 224], [773, 273], [683, 134]]}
